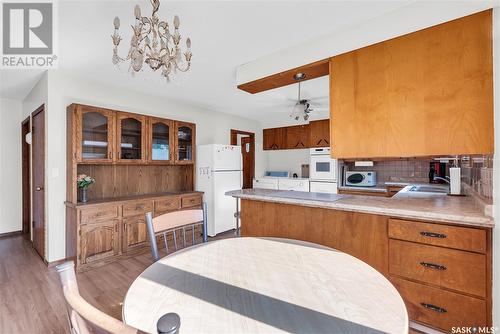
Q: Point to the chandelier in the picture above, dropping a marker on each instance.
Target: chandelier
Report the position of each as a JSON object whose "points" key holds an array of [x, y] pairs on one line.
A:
{"points": [[153, 43]]}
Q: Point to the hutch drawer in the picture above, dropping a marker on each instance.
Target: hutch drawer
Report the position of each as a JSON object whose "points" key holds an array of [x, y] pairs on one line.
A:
{"points": [[137, 208], [99, 213]]}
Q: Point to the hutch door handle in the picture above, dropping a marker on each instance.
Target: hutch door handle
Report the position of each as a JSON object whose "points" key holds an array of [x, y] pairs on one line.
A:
{"points": [[434, 308], [433, 235], [39, 188], [432, 266]]}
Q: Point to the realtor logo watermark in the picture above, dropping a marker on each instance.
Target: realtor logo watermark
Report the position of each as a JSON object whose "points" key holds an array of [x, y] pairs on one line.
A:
{"points": [[28, 35]]}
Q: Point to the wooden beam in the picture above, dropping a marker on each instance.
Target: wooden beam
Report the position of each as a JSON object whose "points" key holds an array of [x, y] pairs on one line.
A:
{"points": [[312, 71]]}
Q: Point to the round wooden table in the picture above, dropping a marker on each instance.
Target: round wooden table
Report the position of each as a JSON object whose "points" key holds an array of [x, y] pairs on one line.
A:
{"points": [[264, 285]]}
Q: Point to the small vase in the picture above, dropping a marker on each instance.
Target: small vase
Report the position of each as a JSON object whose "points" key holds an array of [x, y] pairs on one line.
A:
{"points": [[83, 195]]}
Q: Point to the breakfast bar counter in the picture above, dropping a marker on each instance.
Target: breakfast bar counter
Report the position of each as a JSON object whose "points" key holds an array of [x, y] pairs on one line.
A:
{"points": [[434, 207], [434, 248]]}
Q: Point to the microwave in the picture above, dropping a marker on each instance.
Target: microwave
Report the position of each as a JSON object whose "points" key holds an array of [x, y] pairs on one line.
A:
{"points": [[321, 166], [360, 179]]}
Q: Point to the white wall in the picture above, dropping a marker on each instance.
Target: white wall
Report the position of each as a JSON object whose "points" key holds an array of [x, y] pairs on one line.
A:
{"points": [[211, 127], [496, 168], [412, 17], [287, 160], [10, 166]]}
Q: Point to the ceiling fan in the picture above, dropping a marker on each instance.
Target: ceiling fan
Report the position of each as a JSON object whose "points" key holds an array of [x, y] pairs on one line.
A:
{"points": [[303, 107]]}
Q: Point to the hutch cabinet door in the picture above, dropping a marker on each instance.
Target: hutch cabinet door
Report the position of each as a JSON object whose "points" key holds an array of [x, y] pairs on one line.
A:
{"points": [[160, 140], [135, 233], [185, 140], [99, 241], [95, 130], [131, 137], [320, 133]]}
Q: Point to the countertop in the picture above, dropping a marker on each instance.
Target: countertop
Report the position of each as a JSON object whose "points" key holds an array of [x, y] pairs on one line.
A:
{"points": [[130, 198], [423, 206]]}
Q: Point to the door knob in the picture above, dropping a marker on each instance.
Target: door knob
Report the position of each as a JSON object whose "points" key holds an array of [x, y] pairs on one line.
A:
{"points": [[39, 188]]}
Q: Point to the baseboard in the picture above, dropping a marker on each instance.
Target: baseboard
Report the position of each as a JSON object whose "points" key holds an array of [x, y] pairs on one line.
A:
{"points": [[11, 234], [56, 263]]}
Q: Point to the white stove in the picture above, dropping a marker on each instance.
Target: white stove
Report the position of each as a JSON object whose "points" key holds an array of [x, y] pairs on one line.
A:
{"points": [[281, 180]]}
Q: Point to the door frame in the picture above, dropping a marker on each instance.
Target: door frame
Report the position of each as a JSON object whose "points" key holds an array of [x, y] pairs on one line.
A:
{"points": [[26, 178], [234, 141], [33, 189]]}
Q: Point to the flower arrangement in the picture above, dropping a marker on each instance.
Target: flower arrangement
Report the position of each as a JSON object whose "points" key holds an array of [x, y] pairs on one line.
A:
{"points": [[84, 181]]}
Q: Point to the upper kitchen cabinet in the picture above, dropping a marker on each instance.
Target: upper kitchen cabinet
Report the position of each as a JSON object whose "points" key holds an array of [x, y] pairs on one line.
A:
{"points": [[319, 133], [297, 137], [160, 140], [423, 94], [131, 137], [185, 142], [274, 138], [94, 134]]}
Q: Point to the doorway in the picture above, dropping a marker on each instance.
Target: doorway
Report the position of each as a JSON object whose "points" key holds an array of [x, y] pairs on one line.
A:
{"points": [[26, 172], [247, 142], [38, 186]]}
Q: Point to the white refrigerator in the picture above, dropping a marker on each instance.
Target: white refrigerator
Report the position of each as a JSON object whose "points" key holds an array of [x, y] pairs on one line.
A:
{"points": [[219, 169]]}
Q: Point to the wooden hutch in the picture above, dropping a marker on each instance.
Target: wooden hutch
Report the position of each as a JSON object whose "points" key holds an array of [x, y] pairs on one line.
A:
{"points": [[140, 164]]}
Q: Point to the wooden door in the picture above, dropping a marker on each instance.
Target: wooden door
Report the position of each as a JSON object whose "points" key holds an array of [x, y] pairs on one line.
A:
{"points": [[320, 133], [248, 154], [99, 241], [95, 130], [135, 233], [160, 140], [38, 162], [131, 138], [297, 137], [185, 141], [26, 182]]}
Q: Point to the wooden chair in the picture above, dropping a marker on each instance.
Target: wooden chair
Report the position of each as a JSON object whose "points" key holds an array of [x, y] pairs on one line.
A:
{"points": [[86, 319], [172, 221]]}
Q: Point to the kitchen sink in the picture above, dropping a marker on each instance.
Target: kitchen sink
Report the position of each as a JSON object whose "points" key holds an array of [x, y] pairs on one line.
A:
{"points": [[429, 189]]}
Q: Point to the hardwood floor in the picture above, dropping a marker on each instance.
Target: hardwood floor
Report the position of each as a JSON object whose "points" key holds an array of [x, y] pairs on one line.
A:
{"points": [[31, 299]]}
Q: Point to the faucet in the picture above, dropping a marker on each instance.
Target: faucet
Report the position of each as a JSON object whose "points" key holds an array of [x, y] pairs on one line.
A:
{"points": [[442, 178]]}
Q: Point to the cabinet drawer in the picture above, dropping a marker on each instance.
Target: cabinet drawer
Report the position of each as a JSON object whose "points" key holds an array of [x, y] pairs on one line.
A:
{"points": [[137, 208], [168, 204], [470, 239], [440, 308], [100, 213], [190, 201], [449, 268]]}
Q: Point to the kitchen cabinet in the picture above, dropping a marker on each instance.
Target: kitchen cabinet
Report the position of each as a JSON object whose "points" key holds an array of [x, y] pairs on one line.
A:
{"points": [[94, 128], [297, 137], [319, 133], [160, 140], [274, 138], [185, 142], [427, 93], [131, 137], [442, 270]]}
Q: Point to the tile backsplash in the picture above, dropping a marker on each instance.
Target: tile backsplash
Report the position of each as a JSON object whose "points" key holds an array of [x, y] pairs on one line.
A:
{"points": [[477, 172], [404, 170]]}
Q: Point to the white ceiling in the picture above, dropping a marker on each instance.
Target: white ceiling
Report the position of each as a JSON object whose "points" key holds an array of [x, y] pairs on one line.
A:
{"points": [[224, 34]]}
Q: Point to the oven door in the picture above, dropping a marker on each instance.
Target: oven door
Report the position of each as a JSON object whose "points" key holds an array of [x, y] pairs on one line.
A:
{"points": [[323, 168]]}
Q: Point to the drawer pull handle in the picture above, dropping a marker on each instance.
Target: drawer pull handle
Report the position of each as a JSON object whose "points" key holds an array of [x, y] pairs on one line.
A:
{"points": [[433, 266], [433, 235], [434, 308]]}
